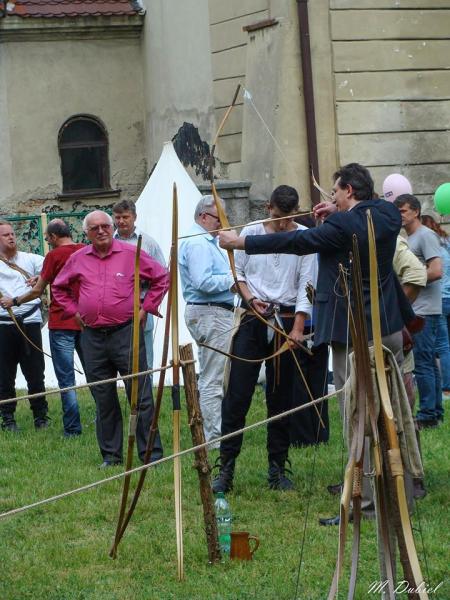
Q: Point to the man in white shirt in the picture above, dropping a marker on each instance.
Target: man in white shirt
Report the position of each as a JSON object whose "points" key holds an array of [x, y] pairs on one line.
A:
{"points": [[18, 270], [267, 282], [124, 214]]}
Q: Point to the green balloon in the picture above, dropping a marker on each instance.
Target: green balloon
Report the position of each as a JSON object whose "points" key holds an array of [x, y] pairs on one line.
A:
{"points": [[442, 199]]}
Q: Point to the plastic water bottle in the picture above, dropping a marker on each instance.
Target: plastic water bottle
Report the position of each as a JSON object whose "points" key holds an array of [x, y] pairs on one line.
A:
{"points": [[223, 517]]}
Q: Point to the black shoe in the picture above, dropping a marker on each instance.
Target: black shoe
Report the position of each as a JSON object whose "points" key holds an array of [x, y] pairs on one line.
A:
{"points": [[223, 482], [41, 422], [330, 521], [10, 425], [419, 490], [427, 424], [335, 489], [110, 463], [277, 476], [334, 520]]}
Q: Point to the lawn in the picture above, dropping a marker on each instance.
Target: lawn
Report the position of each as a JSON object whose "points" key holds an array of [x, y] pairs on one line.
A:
{"points": [[60, 551]]}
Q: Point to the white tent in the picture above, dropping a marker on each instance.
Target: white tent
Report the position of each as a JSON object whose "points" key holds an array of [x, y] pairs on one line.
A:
{"points": [[154, 210]]}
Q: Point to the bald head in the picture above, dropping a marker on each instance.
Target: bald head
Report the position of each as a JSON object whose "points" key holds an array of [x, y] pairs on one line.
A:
{"points": [[94, 216]]}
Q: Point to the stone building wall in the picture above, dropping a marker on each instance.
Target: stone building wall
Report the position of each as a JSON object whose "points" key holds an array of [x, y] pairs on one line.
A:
{"points": [[44, 80]]}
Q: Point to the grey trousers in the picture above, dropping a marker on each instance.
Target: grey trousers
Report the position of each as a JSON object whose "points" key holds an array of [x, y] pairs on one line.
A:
{"points": [[212, 325], [107, 352], [341, 371]]}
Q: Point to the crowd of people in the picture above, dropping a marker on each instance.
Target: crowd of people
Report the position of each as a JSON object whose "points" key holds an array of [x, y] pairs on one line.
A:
{"points": [[285, 285]]}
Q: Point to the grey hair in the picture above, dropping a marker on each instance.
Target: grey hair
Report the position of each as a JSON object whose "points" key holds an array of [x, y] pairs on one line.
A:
{"points": [[86, 219], [204, 203]]}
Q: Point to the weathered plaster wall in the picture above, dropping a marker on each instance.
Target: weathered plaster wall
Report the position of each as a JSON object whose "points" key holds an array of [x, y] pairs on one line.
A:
{"points": [[5, 150], [48, 82], [177, 73], [268, 63], [391, 68], [229, 55], [273, 77]]}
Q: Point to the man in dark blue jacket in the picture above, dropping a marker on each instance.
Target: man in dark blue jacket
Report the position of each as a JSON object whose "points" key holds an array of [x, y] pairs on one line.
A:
{"points": [[353, 196]]}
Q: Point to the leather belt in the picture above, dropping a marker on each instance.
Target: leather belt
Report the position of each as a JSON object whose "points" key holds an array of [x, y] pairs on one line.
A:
{"points": [[22, 317], [110, 329], [218, 304]]}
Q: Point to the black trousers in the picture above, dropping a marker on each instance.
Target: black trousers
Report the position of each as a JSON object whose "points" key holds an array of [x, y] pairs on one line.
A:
{"points": [[15, 350], [305, 426], [105, 354], [251, 342]]}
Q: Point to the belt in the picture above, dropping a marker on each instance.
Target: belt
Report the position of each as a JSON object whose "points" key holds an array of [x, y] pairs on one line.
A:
{"points": [[25, 315], [219, 304], [110, 329]]}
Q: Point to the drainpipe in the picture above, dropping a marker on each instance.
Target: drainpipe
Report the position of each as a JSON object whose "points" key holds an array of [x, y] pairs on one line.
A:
{"points": [[308, 91]]}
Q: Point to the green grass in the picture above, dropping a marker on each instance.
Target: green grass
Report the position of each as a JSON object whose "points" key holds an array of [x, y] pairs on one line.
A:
{"points": [[60, 551]]}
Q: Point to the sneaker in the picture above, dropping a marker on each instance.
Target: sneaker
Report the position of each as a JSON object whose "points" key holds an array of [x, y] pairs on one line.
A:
{"points": [[223, 482], [42, 422], [277, 476]]}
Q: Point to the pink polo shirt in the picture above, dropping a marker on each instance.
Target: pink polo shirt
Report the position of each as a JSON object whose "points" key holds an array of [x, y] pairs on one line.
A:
{"points": [[106, 284]]}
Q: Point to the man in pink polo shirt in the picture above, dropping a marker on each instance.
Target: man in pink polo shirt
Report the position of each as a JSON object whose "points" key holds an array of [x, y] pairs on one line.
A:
{"points": [[104, 273]]}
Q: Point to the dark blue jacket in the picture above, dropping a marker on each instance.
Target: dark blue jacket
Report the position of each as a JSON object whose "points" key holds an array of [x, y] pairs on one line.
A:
{"points": [[333, 243]]}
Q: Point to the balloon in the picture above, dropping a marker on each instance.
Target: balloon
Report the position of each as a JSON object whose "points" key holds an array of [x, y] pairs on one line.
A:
{"points": [[394, 185], [442, 199]]}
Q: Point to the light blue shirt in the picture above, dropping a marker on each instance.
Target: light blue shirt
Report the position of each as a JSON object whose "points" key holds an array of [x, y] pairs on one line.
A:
{"points": [[204, 269]]}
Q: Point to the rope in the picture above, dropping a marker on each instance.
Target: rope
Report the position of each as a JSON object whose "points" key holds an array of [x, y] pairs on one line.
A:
{"points": [[313, 469], [88, 385], [95, 484], [262, 221]]}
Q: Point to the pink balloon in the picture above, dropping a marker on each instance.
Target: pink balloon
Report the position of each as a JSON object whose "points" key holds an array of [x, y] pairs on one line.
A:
{"points": [[394, 185]]}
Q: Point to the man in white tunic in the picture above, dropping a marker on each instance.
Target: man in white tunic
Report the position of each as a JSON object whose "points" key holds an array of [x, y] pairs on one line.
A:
{"points": [[19, 270], [267, 282]]}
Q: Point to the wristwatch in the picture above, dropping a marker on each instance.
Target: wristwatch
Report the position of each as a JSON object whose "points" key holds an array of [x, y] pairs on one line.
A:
{"points": [[16, 301]]}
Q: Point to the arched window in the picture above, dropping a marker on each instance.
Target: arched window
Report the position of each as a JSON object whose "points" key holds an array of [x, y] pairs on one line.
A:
{"points": [[83, 148]]}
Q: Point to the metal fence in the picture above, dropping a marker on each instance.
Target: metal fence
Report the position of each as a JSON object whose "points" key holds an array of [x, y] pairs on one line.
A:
{"points": [[30, 229]]}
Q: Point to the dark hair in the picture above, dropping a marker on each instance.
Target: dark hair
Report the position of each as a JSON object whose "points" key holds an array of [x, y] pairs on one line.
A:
{"points": [[429, 222], [358, 177], [124, 206], [285, 198], [58, 228], [409, 199]]}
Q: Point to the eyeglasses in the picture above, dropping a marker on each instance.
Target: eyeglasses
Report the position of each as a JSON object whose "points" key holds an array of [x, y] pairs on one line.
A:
{"points": [[211, 215], [97, 228]]}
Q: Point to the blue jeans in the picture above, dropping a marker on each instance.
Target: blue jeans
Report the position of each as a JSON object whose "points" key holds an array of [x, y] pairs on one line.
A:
{"points": [[63, 343], [443, 351], [444, 333], [426, 370]]}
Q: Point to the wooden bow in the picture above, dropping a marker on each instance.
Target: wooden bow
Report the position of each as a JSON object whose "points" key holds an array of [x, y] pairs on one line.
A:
{"points": [[13, 318], [154, 425], [176, 386], [224, 224], [408, 554], [133, 400], [389, 469]]}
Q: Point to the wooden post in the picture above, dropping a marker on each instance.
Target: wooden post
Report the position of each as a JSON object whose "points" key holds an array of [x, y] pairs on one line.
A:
{"points": [[201, 456]]}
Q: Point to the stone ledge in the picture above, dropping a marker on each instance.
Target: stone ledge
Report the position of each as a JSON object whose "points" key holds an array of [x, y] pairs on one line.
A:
{"points": [[235, 196], [84, 195], [16, 29]]}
